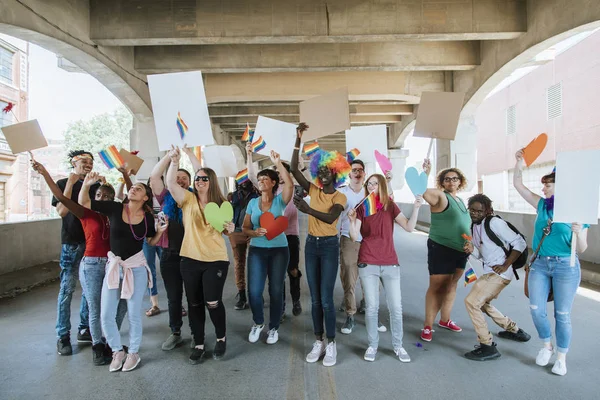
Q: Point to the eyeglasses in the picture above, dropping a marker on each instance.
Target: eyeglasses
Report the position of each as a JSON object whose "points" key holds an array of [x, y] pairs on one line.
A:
{"points": [[357, 170], [473, 211], [201, 178], [452, 179], [372, 183]]}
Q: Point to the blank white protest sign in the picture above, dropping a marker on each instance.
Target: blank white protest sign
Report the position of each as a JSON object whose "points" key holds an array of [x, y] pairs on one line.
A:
{"points": [[279, 136], [367, 139], [221, 159], [180, 93], [577, 188]]}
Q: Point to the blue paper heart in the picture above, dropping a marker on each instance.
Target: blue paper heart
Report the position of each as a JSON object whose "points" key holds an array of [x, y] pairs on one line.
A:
{"points": [[416, 182]]}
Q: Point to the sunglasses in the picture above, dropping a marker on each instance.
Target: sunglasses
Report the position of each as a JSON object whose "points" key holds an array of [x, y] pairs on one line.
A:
{"points": [[452, 179], [201, 178]]}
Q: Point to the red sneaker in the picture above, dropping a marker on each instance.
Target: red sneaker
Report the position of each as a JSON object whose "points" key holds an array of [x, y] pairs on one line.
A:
{"points": [[450, 325], [426, 334]]}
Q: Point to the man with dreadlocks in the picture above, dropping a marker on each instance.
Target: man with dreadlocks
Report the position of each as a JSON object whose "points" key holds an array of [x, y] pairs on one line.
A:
{"points": [[329, 171], [497, 275], [73, 247]]}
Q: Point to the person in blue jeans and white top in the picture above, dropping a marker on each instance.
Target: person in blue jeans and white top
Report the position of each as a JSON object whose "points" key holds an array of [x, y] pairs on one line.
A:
{"points": [[378, 261], [551, 269], [267, 258]]}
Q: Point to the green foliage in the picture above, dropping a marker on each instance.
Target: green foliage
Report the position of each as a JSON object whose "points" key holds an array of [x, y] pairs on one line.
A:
{"points": [[96, 134]]}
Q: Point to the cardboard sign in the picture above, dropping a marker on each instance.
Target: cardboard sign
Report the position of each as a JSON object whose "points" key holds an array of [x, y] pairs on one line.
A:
{"points": [[325, 114], [133, 162], [367, 139], [24, 136], [180, 110], [438, 114], [279, 136], [221, 159], [577, 188]]}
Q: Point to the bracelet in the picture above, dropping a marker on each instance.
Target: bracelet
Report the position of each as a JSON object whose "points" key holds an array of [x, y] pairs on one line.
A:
{"points": [[121, 180], [296, 148], [303, 169]]}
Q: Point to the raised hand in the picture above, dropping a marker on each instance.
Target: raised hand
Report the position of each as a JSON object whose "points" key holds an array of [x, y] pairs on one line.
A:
{"points": [[260, 232], [275, 158], [418, 201], [249, 148], [389, 176], [102, 180], [576, 227], [427, 166], [38, 167], [90, 178], [74, 178], [186, 150], [300, 129], [520, 159], [174, 154]]}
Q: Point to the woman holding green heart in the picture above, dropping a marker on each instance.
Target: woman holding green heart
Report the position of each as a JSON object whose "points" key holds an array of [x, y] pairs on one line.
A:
{"points": [[268, 256], [204, 261]]}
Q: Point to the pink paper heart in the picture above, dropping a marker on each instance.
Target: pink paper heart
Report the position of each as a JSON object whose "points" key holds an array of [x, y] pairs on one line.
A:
{"points": [[384, 163]]}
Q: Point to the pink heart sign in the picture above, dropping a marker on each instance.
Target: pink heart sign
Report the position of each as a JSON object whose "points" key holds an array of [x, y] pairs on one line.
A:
{"points": [[384, 163]]}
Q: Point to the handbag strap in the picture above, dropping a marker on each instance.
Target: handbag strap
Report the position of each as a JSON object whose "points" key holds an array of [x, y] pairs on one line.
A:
{"points": [[546, 232]]}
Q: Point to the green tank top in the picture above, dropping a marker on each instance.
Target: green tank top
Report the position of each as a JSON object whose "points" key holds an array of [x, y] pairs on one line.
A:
{"points": [[448, 226]]}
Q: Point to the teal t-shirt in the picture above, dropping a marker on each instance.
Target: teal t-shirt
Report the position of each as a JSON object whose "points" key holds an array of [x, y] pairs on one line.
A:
{"points": [[277, 209], [558, 242]]}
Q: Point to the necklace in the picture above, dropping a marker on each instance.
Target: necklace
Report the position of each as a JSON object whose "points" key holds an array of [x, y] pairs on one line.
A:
{"points": [[105, 227], [131, 226]]}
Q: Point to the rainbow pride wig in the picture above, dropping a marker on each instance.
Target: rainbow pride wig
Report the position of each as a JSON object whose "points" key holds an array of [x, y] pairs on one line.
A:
{"points": [[337, 164]]}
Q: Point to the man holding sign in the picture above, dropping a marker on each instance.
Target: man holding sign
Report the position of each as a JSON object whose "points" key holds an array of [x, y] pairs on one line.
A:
{"points": [[551, 269]]}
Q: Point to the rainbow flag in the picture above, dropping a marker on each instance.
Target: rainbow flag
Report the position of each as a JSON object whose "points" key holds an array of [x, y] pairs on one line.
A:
{"points": [[111, 157], [310, 149], [248, 134], [470, 276], [242, 176], [197, 152], [352, 154], [181, 126], [370, 204], [258, 145]]}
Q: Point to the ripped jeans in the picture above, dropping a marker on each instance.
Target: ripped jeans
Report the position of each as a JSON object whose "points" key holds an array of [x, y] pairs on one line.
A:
{"points": [[565, 280]]}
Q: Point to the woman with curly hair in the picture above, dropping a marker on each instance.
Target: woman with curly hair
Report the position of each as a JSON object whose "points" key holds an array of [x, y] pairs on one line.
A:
{"points": [[446, 257], [329, 170]]}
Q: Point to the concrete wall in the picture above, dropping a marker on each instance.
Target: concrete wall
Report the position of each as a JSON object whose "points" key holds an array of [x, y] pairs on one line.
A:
{"points": [[27, 244]]}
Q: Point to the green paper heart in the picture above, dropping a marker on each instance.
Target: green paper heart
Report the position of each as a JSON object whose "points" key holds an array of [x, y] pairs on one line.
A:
{"points": [[216, 216]]}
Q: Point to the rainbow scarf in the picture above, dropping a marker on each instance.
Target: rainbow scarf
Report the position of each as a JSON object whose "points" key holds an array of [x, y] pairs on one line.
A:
{"points": [[259, 145], [242, 176], [181, 126], [470, 276], [352, 154], [310, 149], [170, 208], [111, 157]]}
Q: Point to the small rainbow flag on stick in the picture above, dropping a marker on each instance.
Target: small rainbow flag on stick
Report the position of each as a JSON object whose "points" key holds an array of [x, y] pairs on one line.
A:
{"points": [[470, 276], [248, 134], [111, 157], [197, 152], [258, 145], [181, 126], [310, 149], [352, 154], [242, 176]]}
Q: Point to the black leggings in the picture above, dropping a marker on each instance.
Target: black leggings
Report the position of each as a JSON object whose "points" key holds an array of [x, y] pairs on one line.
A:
{"points": [[204, 283]]}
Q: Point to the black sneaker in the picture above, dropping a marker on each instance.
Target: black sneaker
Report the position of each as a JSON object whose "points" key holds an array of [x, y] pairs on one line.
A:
{"points": [[196, 356], [84, 336], [519, 336], [242, 302], [283, 317], [348, 325], [483, 352], [297, 308], [362, 307], [219, 350], [99, 354], [63, 346]]}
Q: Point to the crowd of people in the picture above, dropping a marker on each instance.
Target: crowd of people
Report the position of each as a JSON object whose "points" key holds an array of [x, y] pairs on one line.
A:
{"points": [[112, 247]]}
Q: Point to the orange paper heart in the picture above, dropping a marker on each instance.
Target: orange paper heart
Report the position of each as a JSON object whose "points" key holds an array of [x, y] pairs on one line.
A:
{"points": [[274, 226], [533, 150]]}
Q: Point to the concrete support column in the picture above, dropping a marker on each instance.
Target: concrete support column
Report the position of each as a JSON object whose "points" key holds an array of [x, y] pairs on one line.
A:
{"points": [[398, 158], [143, 138]]}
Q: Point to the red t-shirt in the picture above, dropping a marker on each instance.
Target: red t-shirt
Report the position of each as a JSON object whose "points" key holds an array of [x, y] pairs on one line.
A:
{"points": [[377, 246], [97, 234]]}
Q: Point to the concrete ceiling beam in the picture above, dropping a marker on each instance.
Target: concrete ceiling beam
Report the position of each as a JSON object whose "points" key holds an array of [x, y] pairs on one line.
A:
{"points": [[354, 119], [274, 111]]}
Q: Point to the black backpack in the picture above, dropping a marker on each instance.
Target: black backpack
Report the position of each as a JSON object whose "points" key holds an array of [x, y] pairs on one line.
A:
{"points": [[519, 262]]}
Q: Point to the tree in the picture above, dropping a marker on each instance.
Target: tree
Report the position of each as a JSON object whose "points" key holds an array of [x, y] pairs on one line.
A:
{"points": [[99, 132]]}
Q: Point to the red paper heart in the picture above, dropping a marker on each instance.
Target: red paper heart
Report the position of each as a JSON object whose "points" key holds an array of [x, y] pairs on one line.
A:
{"points": [[274, 226], [533, 150]]}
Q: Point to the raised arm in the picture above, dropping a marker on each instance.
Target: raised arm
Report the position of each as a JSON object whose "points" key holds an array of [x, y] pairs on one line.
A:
{"points": [[388, 179], [409, 224], [434, 197], [288, 183], [328, 218], [71, 180], [157, 172], [530, 197], [153, 241], [176, 191], [302, 181], [69, 204], [252, 175], [196, 164], [84, 193]]}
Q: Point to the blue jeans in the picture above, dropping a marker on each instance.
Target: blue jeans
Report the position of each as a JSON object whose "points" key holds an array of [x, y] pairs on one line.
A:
{"points": [[91, 276], [150, 252], [266, 263], [565, 280], [70, 257], [321, 259], [389, 275], [109, 306]]}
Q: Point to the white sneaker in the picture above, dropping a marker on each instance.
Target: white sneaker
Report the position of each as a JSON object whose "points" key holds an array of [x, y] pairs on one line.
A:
{"points": [[273, 336], [543, 357], [559, 368], [255, 333], [370, 354], [402, 355], [381, 327], [317, 351], [330, 355]]}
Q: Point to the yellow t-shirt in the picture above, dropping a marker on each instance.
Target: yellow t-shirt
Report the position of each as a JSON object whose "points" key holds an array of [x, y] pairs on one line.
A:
{"points": [[201, 241], [321, 201]]}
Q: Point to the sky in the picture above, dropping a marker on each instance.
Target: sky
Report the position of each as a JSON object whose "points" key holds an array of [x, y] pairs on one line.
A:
{"points": [[57, 97]]}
